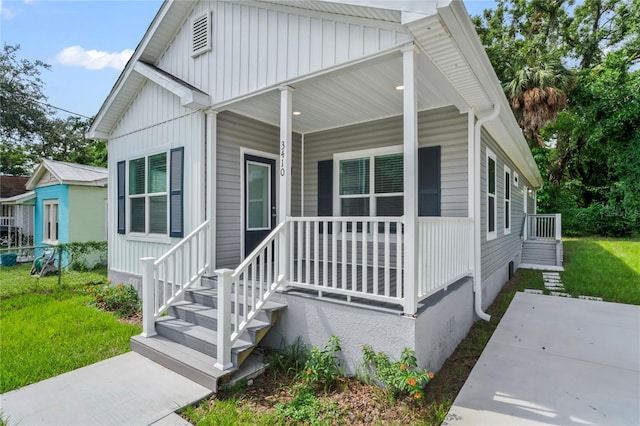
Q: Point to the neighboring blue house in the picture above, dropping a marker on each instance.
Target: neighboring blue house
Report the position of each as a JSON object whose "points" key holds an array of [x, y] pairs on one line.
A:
{"points": [[70, 202]]}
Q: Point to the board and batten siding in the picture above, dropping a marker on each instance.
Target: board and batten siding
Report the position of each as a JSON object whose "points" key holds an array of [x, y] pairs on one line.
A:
{"points": [[233, 133], [184, 131], [499, 252], [152, 105], [444, 127], [255, 47]]}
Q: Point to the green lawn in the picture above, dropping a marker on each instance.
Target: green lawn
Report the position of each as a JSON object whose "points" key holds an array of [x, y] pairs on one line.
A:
{"points": [[603, 267], [47, 329]]}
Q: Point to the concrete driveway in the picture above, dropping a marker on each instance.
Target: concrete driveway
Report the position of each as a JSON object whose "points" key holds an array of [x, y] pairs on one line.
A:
{"points": [[558, 361]]}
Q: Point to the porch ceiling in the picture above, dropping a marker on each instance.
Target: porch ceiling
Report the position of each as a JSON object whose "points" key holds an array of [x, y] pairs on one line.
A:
{"points": [[359, 93]]}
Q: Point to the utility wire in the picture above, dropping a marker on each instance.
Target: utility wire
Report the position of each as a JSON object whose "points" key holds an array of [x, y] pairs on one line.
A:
{"points": [[61, 109]]}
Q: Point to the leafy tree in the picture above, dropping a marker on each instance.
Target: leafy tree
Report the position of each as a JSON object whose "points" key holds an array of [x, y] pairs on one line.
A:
{"points": [[570, 70], [23, 103], [28, 129]]}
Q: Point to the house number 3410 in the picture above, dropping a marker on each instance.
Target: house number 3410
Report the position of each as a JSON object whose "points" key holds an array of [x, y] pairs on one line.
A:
{"points": [[282, 149]]}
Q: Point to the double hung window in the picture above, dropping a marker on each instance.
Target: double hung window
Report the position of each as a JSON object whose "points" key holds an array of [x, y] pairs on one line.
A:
{"points": [[491, 195], [371, 183], [507, 200], [50, 221], [148, 194]]}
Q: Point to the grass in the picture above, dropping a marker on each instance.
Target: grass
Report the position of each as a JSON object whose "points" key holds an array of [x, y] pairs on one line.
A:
{"points": [[47, 329], [607, 268]]}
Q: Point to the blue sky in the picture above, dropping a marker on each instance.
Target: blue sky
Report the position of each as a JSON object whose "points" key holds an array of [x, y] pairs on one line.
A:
{"points": [[87, 43]]}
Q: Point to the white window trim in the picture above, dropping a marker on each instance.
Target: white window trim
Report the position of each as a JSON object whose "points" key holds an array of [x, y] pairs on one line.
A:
{"points": [[352, 155], [147, 236], [46, 207], [507, 201], [494, 234]]}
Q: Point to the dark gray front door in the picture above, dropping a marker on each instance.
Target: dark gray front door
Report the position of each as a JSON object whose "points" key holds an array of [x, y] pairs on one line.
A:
{"points": [[259, 201]]}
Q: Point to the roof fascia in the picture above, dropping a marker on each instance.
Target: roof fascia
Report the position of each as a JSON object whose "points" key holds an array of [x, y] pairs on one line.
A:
{"points": [[189, 97], [19, 199], [455, 17], [94, 132], [37, 175]]}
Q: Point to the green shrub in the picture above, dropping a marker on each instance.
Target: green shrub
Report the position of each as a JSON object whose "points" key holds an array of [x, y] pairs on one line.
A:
{"points": [[599, 219], [397, 377], [121, 299], [322, 365]]}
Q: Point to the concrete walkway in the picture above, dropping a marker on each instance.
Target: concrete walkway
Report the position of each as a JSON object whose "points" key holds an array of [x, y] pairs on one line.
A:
{"points": [[555, 360], [125, 390]]}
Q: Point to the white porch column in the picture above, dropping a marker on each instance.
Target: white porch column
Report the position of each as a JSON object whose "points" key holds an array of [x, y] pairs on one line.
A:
{"points": [[284, 171], [410, 129], [211, 132]]}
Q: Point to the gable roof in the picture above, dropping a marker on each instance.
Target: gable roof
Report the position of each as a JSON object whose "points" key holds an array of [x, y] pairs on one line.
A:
{"points": [[69, 174], [10, 186], [454, 64]]}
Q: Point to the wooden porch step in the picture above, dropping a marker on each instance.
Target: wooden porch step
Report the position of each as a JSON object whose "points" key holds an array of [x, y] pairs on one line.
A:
{"points": [[183, 360], [200, 338]]}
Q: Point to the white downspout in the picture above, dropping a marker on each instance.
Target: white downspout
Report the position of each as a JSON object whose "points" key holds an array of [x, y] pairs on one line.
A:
{"points": [[477, 145]]}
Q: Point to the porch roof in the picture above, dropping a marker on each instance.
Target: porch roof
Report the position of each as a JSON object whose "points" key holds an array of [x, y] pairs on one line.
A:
{"points": [[452, 69]]}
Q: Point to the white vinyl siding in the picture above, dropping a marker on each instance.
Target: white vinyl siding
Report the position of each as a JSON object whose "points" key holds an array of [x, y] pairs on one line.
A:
{"points": [[254, 47], [444, 127], [181, 130], [499, 252]]}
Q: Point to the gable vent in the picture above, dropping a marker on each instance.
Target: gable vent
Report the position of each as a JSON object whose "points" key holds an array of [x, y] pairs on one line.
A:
{"points": [[201, 34]]}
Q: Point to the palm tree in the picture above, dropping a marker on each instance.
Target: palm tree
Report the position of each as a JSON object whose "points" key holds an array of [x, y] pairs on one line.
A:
{"points": [[537, 93]]}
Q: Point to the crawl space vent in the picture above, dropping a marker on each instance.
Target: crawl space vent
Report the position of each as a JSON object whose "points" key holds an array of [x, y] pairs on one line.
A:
{"points": [[201, 34]]}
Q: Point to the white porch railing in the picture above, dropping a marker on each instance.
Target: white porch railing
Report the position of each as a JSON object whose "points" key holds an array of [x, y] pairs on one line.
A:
{"points": [[249, 287], [8, 221], [445, 246], [543, 227], [357, 257], [164, 280]]}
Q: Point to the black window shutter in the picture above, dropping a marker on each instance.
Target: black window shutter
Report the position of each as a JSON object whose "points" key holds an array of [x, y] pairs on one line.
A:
{"points": [[325, 188], [429, 181], [176, 193], [122, 197]]}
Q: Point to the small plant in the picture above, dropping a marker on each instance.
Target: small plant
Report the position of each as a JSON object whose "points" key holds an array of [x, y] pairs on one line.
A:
{"points": [[121, 299], [401, 376], [291, 358], [322, 365]]}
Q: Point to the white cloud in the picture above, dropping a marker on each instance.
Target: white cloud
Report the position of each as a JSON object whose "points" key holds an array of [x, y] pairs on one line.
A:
{"points": [[93, 59], [6, 13]]}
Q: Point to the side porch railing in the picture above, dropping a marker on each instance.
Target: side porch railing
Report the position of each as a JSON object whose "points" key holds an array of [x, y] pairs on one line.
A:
{"points": [[547, 227]]}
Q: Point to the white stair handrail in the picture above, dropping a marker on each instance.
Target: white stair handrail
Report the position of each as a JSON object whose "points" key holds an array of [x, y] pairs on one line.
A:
{"points": [[165, 279], [259, 269]]}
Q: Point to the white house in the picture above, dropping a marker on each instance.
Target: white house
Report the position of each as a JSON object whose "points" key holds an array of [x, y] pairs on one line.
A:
{"points": [[345, 167]]}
